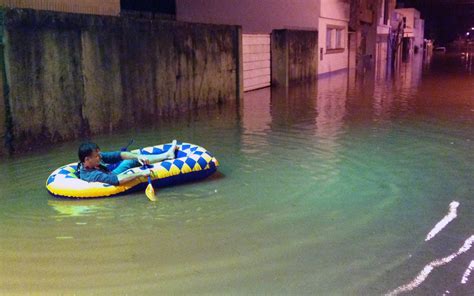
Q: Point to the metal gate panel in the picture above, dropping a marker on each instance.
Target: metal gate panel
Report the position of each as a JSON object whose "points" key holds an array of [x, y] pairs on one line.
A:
{"points": [[256, 61]]}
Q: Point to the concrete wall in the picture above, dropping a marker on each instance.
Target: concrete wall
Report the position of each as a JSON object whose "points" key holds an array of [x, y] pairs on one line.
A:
{"points": [[103, 7], [302, 55], [72, 75], [294, 56], [261, 16], [335, 9], [2, 105]]}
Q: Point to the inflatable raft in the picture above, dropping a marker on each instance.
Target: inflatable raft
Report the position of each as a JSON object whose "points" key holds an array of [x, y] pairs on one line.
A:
{"points": [[192, 163]]}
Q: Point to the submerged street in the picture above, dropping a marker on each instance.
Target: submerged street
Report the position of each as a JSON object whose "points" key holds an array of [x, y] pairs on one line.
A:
{"points": [[337, 187]]}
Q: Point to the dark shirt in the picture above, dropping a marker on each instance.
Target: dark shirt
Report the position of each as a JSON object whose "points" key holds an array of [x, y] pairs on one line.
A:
{"points": [[102, 174]]}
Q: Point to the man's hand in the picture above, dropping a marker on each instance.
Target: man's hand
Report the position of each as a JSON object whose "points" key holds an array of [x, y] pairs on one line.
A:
{"points": [[143, 160], [145, 172]]}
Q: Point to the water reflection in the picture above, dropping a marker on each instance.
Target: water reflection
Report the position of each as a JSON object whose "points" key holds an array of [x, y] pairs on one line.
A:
{"points": [[468, 60], [314, 110], [409, 75], [331, 108], [76, 208], [315, 106], [256, 120], [320, 179], [293, 106], [256, 116]]}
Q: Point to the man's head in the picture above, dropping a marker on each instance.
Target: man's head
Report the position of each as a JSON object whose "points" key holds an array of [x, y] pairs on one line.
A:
{"points": [[89, 154]]}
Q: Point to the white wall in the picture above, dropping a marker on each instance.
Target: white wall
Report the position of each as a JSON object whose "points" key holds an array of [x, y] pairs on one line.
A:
{"points": [[420, 33], [415, 25], [255, 16], [256, 61], [333, 13], [384, 28], [335, 9]]}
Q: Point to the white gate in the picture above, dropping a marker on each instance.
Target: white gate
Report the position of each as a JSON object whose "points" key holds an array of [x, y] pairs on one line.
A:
{"points": [[256, 58]]}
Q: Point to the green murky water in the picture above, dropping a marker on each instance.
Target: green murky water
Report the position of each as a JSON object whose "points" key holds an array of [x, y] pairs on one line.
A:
{"points": [[323, 189]]}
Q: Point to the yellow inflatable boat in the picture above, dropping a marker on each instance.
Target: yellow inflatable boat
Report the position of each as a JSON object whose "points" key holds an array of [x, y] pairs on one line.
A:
{"points": [[192, 163]]}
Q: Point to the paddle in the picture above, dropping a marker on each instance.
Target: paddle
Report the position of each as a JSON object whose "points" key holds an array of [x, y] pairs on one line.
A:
{"points": [[128, 145], [149, 191]]}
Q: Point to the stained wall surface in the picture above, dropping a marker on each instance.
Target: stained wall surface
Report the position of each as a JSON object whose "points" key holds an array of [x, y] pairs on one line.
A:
{"points": [[72, 75]]}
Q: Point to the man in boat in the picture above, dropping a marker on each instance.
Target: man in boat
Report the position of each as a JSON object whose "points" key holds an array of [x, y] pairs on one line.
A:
{"points": [[93, 164]]}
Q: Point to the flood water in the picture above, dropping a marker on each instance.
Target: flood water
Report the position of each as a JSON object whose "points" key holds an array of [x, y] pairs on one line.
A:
{"points": [[338, 187]]}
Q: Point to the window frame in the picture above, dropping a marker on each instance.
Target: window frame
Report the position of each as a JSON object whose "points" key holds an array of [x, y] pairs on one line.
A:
{"points": [[335, 42]]}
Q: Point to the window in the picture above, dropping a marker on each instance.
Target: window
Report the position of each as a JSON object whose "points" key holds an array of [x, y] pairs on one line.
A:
{"points": [[334, 39]]}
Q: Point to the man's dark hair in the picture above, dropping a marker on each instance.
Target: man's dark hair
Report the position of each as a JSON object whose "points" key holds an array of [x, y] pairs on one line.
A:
{"points": [[86, 149]]}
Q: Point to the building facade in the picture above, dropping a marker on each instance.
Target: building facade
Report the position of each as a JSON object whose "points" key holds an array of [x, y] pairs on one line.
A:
{"points": [[413, 30], [333, 36], [370, 25], [383, 50], [358, 35]]}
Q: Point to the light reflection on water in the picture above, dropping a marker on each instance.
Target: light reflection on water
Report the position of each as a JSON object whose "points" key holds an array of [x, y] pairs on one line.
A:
{"points": [[327, 188]]}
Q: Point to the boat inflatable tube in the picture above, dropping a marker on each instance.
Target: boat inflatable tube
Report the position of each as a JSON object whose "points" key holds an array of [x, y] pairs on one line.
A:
{"points": [[192, 163]]}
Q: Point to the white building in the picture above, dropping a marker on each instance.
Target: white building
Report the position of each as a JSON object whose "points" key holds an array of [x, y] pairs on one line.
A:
{"points": [[413, 32], [333, 36], [259, 18], [383, 50]]}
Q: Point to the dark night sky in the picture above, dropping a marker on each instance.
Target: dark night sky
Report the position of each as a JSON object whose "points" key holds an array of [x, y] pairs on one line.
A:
{"points": [[445, 20]]}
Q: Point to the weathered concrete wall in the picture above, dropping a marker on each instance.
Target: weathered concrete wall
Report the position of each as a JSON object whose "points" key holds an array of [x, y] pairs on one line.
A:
{"points": [[46, 88], [73, 75], [279, 56], [294, 56], [303, 55], [2, 104]]}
